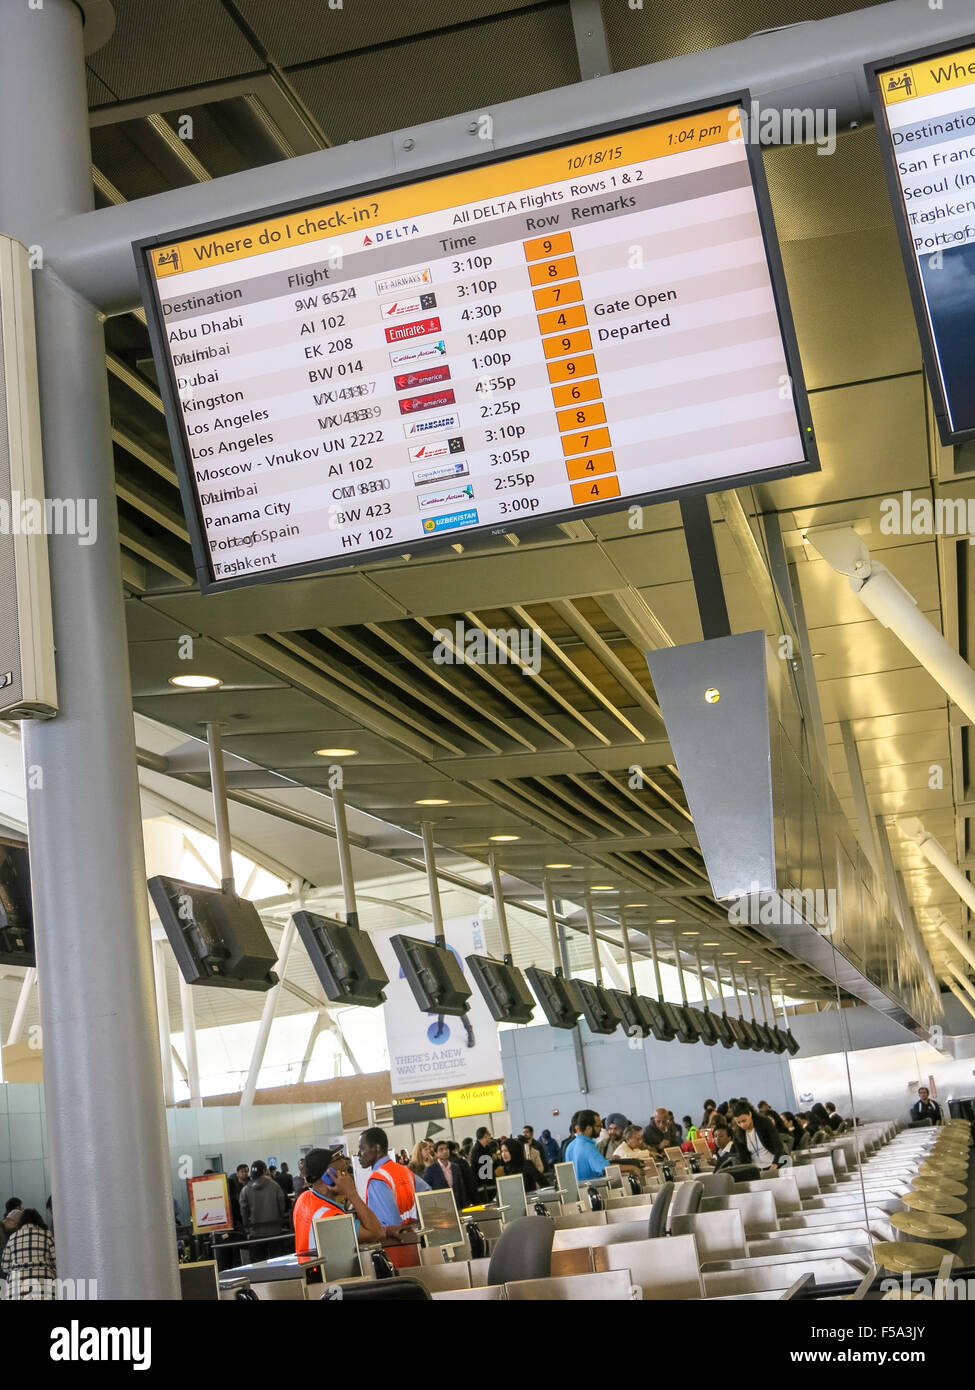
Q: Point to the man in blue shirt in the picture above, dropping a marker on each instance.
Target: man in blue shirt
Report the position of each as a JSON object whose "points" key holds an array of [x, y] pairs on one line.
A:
{"points": [[582, 1153]]}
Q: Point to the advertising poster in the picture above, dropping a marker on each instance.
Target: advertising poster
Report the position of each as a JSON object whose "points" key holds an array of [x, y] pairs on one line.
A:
{"points": [[210, 1203], [427, 1052]]}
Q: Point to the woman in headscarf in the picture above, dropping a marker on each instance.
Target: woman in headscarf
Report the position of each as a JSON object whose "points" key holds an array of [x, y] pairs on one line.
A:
{"points": [[514, 1161]]}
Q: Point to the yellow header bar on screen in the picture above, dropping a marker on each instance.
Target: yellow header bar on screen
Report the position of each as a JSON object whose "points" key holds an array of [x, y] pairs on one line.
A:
{"points": [[924, 79], [355, 216]]}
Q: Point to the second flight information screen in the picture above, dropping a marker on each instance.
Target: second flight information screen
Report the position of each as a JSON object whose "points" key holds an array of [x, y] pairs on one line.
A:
{"points": [[535, 337]]}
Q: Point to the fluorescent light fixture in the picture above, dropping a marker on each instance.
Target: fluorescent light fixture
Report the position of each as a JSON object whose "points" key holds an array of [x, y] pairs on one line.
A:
{"points": [[196, 682], [503, 839], [432, 801], [336, 752]]}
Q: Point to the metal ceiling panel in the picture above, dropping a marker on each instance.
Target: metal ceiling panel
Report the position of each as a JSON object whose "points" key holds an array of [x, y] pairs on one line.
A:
{"points": [[818, 194], [300, 31], [143, 623], [296, 750], [858, 696], [182, 43], [657, 31], [875, 335], [152, 664], [881, 422], [456, 70], [865, 645], [336, 599], [256, 711], [513, 576]]}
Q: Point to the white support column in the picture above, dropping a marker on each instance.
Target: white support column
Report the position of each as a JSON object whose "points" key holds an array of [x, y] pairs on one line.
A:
{"points": [[913, 830], [20, 1012], [188, 1009], [267, 1014], [317, 1024], [343, 1043], [162, 1014], [963, 980], [961, 998], [895, 608]]}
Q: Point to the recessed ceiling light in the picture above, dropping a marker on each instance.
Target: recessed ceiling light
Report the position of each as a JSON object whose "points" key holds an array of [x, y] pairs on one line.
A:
{"points": [[690, 933], [729, 953], [503, 839], [710, 943], [558, 866], [744, 962], [336, 752], [664, 921], [637, 904], [196, 682], [602, 887], [818, 656], [432, 801]]}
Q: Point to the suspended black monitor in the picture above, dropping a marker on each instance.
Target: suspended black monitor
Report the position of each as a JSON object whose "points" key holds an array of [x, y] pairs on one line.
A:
{"points": [[662, 1024], [775, 1038], [738, 1034], [721, 1024], [635, 1012], [599, 1008], [791, 1045], [558, 997], [684, 1029], [703, 1024], [344, 958], [217, 938], [434, 974], [504, 989], [16, 908], [753, 1042], [764, 1038]]}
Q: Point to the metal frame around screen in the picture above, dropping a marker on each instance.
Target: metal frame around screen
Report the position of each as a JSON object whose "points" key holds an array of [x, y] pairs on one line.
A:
{"points": [[422, 545], [929, 355]]}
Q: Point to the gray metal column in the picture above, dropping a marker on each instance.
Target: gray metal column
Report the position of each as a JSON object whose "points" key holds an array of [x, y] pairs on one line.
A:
{"points": [[110, 1164]]}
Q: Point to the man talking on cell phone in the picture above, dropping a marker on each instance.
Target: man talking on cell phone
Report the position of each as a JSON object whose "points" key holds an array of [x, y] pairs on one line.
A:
{"points": [[330, 1191]]}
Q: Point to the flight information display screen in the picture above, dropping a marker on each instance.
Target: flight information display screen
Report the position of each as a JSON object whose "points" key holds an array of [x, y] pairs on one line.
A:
{"points": [[924, 105], [538, 336]]}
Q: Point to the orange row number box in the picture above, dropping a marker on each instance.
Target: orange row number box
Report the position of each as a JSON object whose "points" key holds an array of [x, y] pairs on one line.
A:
{"points": [[585, 442], [575, 392], [577, 417], [544, 247], [596, 490], [565, 344], [545, 272], [590, 466], [572, 368], [561, 320], [554, 296]]}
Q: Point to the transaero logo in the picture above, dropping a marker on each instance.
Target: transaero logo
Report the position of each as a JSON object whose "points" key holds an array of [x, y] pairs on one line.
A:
{"points": [[78, 1343]]}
